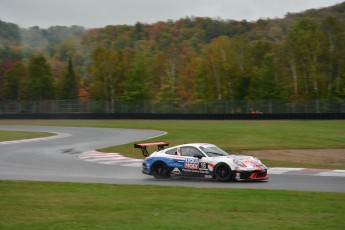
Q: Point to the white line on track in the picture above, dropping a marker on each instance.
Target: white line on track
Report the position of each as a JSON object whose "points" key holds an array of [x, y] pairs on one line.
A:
{"points": [[57, 136]]}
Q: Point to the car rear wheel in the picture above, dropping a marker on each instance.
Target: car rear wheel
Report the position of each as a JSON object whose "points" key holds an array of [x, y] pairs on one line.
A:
{"points": [[223, 173], [160, 170]]}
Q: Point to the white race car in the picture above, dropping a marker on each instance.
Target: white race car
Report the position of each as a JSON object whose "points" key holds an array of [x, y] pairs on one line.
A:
{"points": [[200, 160]]}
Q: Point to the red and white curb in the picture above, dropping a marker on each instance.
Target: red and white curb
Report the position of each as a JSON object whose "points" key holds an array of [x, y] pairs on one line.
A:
{"points": [[118, 159], [57, 136], [110, 159]]}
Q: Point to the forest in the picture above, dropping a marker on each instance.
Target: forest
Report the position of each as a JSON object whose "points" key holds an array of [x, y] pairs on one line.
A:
{"points": [[193, 59]]}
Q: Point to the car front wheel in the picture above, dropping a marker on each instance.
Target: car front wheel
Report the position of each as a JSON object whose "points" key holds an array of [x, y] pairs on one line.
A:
{"points": [[223, 173], [160, 170]]}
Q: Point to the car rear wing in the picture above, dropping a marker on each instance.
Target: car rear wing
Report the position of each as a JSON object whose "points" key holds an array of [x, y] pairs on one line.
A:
{"points": [[143, 146]]}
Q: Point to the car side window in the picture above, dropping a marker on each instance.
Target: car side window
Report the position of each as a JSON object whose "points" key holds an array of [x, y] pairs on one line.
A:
{"points": [[191, 152], [172, 151]]}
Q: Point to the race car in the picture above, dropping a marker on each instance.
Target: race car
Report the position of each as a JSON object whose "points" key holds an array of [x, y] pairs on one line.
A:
{"points": [[200, 160]]}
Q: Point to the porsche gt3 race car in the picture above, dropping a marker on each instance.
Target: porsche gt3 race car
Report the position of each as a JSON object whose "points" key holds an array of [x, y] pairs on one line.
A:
{"points": [[200, 160]]}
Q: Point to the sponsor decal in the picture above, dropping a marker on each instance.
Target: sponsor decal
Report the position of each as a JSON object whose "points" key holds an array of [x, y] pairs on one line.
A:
{"points": [[191, 163], [195, 171], [190, 170], [192, 160], [176, 171]]}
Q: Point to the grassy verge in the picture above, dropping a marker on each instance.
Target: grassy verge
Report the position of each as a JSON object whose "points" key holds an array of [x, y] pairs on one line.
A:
{"points": [[247, 135], [20, 135], [229, 135], [39, 205]]}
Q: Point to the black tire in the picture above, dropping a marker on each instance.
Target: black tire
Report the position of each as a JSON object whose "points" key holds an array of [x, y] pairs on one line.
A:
{"points": [[160, 170], [223, 173]]}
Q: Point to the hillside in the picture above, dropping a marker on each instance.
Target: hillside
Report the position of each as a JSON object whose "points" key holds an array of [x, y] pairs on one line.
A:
{"points": [[188, 60]]}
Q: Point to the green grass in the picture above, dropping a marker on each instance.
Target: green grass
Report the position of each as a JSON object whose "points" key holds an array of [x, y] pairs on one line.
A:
{"points": [[247, 135], [230, 135], [20, 135], [42, 205]]}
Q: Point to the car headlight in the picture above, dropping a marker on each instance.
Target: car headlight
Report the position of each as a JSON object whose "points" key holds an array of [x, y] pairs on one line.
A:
{"points": [[239, 163]]}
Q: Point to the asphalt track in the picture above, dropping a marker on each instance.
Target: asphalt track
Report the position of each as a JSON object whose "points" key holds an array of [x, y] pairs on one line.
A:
{"points": [[56, 159]]}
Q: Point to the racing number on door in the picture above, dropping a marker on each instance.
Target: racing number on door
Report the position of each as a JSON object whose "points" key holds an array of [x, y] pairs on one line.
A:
{"points": [[202, 165]]}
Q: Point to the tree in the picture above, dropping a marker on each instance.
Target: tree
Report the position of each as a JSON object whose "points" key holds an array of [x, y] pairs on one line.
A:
{"points": [[107, 71], [40, 80], [264, 83], [136, 85], [68, 85], [223, 72], [307, 44], [14, 82], [169, 77], [335, 40], [186, 86], [216, 65]]}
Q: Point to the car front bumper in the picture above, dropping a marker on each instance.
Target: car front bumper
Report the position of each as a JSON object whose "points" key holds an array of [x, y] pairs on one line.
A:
{"points": [[255, 175]]}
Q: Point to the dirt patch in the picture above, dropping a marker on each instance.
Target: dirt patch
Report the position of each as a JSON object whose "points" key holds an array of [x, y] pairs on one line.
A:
{"points": [[318, 156]]}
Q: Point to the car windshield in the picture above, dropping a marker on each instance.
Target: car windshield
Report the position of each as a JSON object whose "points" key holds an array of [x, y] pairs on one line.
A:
{"points": [[214, 151]]}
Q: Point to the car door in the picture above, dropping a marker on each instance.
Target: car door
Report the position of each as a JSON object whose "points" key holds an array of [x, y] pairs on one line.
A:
{"points": [[193, 161]]}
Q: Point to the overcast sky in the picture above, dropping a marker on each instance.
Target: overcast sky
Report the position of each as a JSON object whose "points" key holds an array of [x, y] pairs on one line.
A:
{"points": [[99, 13]]}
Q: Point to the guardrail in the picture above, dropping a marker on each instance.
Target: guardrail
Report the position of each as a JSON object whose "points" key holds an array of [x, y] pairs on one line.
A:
{"points": [[173, 107], [177, 116]]}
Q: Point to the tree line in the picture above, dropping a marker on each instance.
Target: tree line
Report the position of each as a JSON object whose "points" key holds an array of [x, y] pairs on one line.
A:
{"points": [[184, 61]]}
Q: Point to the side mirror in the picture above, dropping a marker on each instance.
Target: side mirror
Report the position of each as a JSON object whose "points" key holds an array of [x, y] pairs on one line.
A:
{"points": [[197, 156]]}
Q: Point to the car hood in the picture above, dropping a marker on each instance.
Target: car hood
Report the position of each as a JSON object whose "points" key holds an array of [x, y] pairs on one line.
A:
{"points": [[243, 158], [246, 161]]}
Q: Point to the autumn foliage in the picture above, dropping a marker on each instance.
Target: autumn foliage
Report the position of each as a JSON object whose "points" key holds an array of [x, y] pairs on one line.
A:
{"points": [[184, 61]]}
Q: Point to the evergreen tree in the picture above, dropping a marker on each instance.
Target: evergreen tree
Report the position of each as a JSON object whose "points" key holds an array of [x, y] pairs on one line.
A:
{"points": [[68, 88]]}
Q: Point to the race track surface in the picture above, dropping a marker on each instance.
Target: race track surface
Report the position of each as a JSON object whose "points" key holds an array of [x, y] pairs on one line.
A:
{"points": [[60, 158]]}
